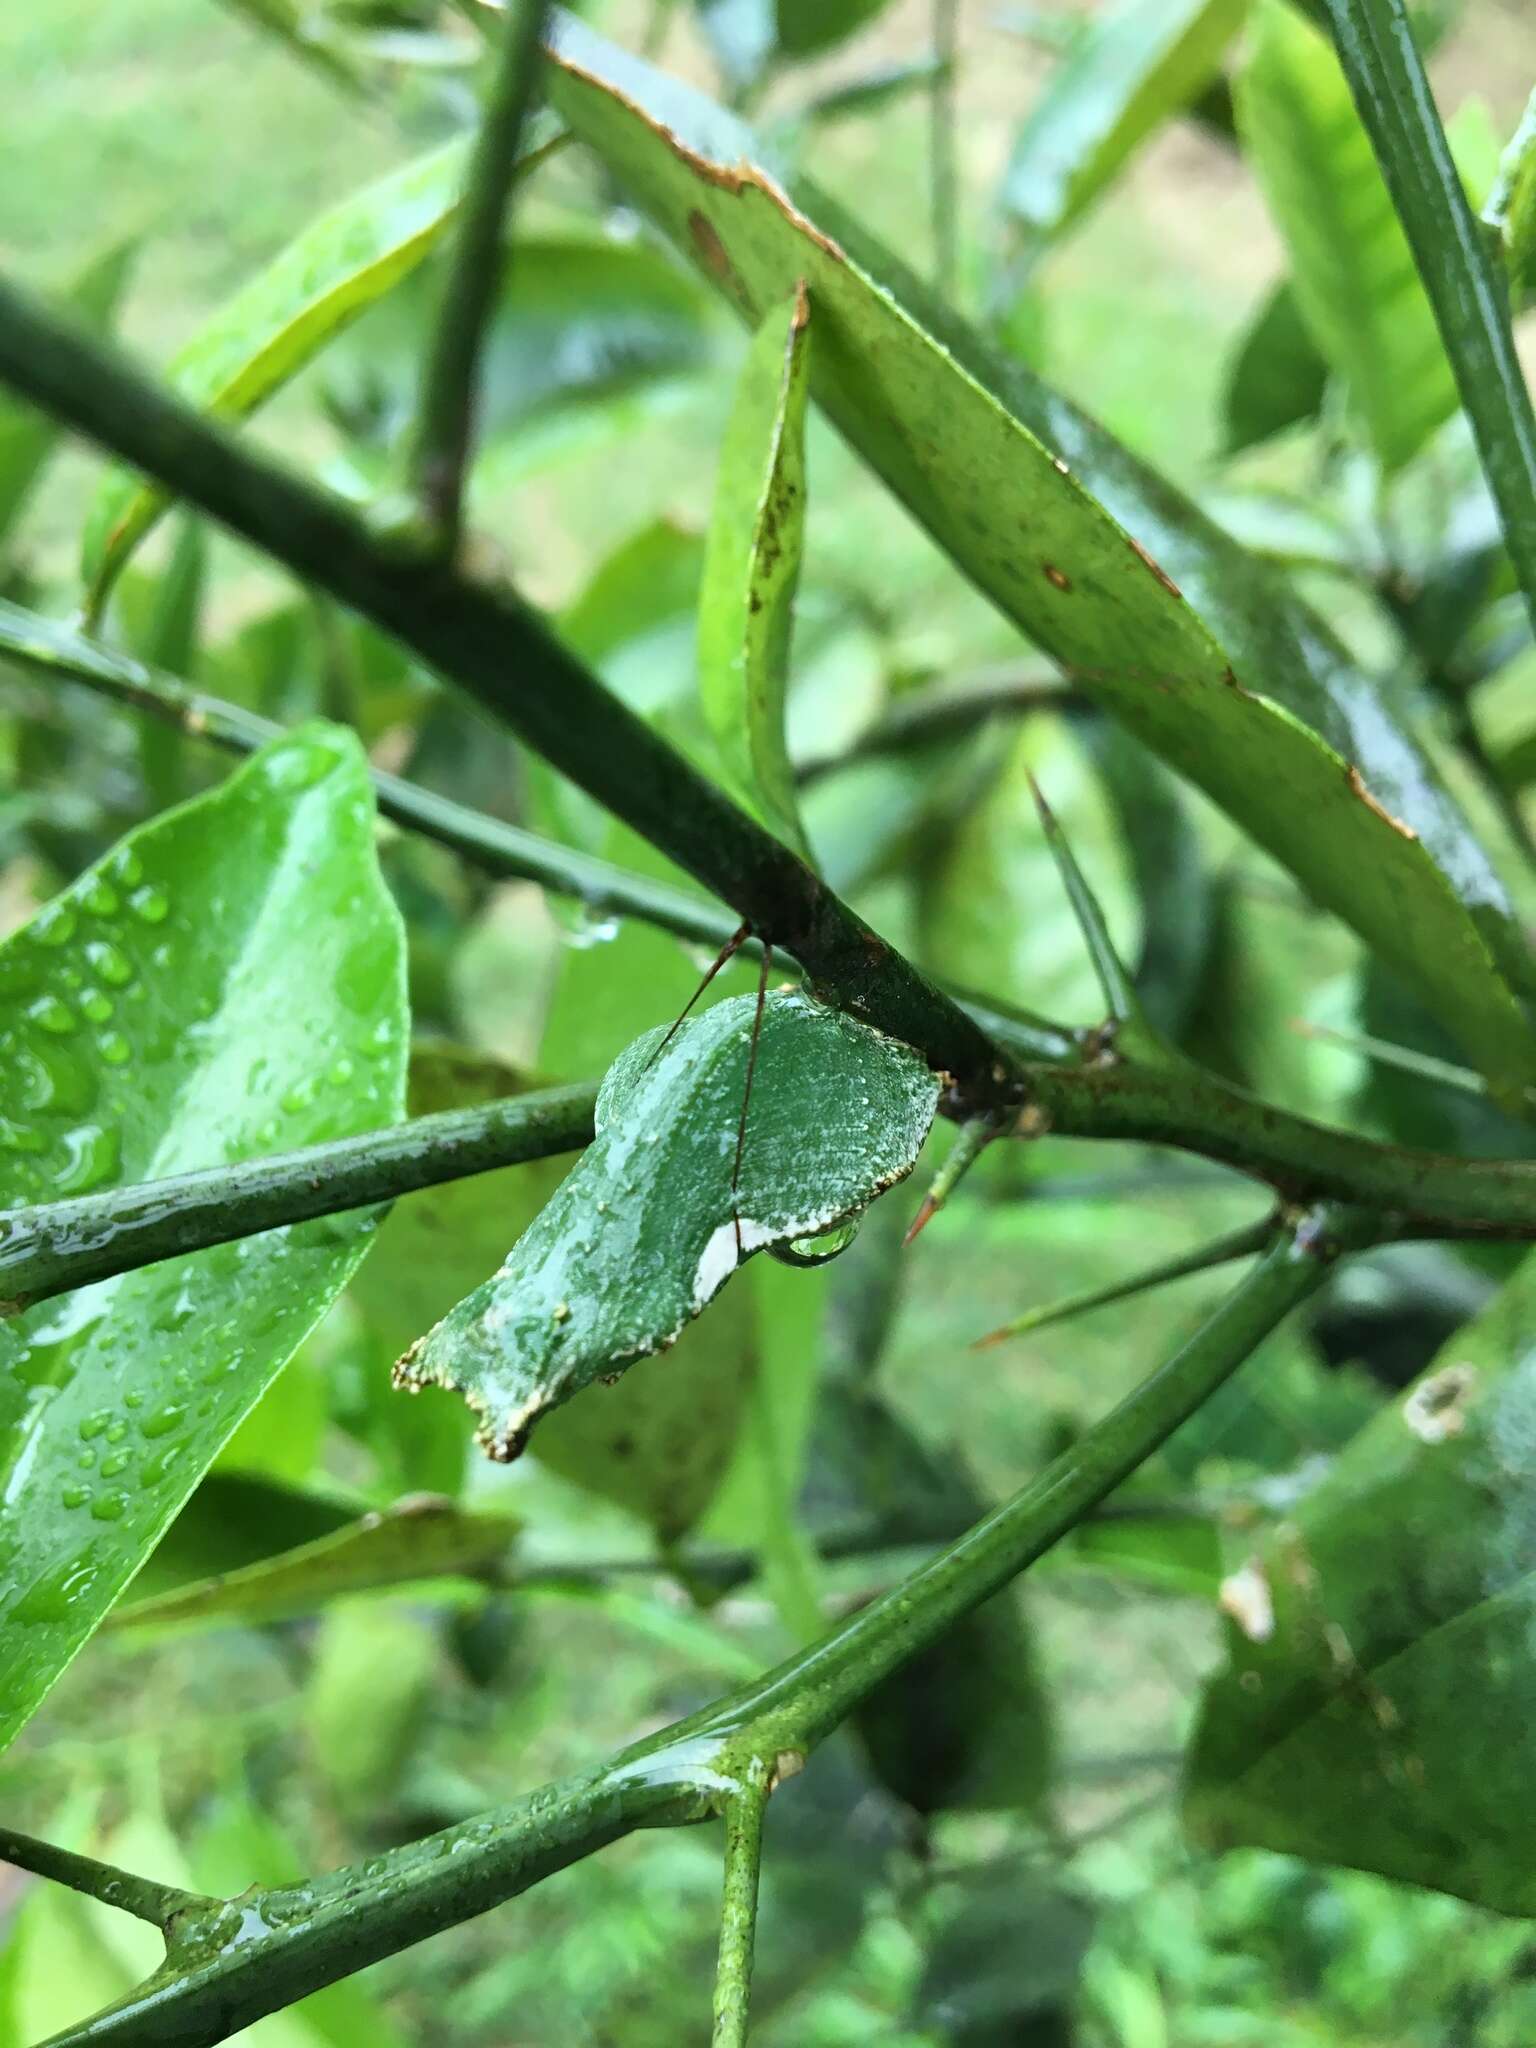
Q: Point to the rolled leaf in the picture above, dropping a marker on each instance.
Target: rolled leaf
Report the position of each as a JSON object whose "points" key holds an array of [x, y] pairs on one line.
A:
{"points": [[1203, 652], [229, 981], [647, 1229], [752, 566]]}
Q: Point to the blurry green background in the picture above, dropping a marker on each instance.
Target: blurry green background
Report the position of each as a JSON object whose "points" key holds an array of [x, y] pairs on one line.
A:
{"points": [[239, 1751]]}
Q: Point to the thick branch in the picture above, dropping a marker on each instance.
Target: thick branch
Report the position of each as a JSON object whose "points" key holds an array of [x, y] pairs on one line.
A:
{"points": [[498, 649], [312, 1934], [50, 1247], [477, 272]]}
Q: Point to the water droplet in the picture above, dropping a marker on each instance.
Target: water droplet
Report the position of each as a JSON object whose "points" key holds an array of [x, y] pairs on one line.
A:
{"points": [[109, 1507], [109, 962], [114, 1049], [126, 867], [95, 1007], [116, 1465], [589, 928], [54, 926], [75, 1495], [91, 1153], [100, 898], [817, 1250], [150, 903], [164, 1420], [92, 1425], [52, 1015]]}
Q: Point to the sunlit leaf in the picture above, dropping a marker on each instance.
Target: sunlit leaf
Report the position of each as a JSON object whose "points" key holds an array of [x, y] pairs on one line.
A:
{"points": [[646, 1230], [1376, 1709], [1136, 64], [227, 982], [752, 568], [1203, 652], [1353, 272]]}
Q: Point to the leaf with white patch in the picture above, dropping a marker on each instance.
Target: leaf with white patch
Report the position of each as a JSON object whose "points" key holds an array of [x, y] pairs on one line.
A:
{"points": [[648, 1227]]}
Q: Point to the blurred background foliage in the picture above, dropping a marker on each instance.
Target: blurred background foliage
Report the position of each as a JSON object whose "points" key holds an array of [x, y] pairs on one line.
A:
{"points": [[992, 1854]]}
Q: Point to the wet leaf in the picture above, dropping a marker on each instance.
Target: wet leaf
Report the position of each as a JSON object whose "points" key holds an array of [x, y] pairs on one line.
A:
{"points": [[421, 1537], [1203, 652], [227, 982], [1376, 1709], [282, 319], [752, 567], [1277, 377], [1137, 64], [645, 1231], [1355, 280]]}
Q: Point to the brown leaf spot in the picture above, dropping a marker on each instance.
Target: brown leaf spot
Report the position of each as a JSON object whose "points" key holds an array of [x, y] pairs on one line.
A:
{"points": [[1057, 576], [1357, 788]]}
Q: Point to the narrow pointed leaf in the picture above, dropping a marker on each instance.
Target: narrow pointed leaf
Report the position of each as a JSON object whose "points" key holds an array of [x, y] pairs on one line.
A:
{"points": [[1137, 63], [319, 284], [752, 567], [1203, 651], [1379, 1701], [644, 1232], [1278, 377], [303, 31], [421, 1537], [1119, 990], [1352, 269], [1511, 208], [228, 981]]}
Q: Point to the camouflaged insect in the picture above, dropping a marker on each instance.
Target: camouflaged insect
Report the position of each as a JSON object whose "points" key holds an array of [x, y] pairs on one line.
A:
{"points": [[645, 1231]]}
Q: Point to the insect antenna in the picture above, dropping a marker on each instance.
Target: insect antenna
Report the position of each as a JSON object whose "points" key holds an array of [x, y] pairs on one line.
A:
{"points": [[727, 952]]}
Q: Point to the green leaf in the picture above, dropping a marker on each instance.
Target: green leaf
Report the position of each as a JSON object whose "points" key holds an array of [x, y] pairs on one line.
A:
{"points": [[1137, 64], [282, 319], [1511, 208], [28, 438], [644, 1232], [369, 1694], [1004, 1963], [421, 1537], [1353, 272], [752, 568], [807, 27], [1233, 682], [1277, 378], [229, 981], [1376, 1709]]}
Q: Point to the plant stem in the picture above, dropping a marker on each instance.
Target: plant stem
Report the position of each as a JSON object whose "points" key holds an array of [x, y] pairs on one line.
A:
{"points": [[744, 1811], [1471, 299], [947, 708], [51, 1247], [311, 1934], [941, 145], [476, 275], [493, 846], [500, 651], [140, 1896]]}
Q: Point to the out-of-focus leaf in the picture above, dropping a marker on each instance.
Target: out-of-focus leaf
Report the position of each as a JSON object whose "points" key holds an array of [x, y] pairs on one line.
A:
{"points": [[647, 1228], [585, 329], [282, 319], [1173, 1553], [1354, 276], [420, 1537], [229, 981], [161, 619], [1511, 208], [367, 1699], [232, 1520], [1136, 64], [28, 438], [1277, 378], [1275, 724], [1005, 1957], [303, 30], [752, 568], [807, 27], [1376, 1706], [873, 91]]}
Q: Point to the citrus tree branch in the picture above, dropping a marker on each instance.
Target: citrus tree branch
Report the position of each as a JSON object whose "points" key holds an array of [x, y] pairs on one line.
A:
{"points": [[744, 1813], [498, 649], [140, 1896], [477, 272], [297, 1939]]}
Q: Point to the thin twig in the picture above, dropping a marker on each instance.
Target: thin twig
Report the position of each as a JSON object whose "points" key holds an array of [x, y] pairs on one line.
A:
{"points": [[941, 145], [744, 1811], [476, 276], [140, 1896]]}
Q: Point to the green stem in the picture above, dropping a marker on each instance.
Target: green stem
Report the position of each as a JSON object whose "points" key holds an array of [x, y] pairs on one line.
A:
{"points": [[493, 846], [1471, 299], [307, 1936], [744, 1811], [49, 1248], [476, 275], [944, 710], [500, 651], [941, 145], [140, 1896]]}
